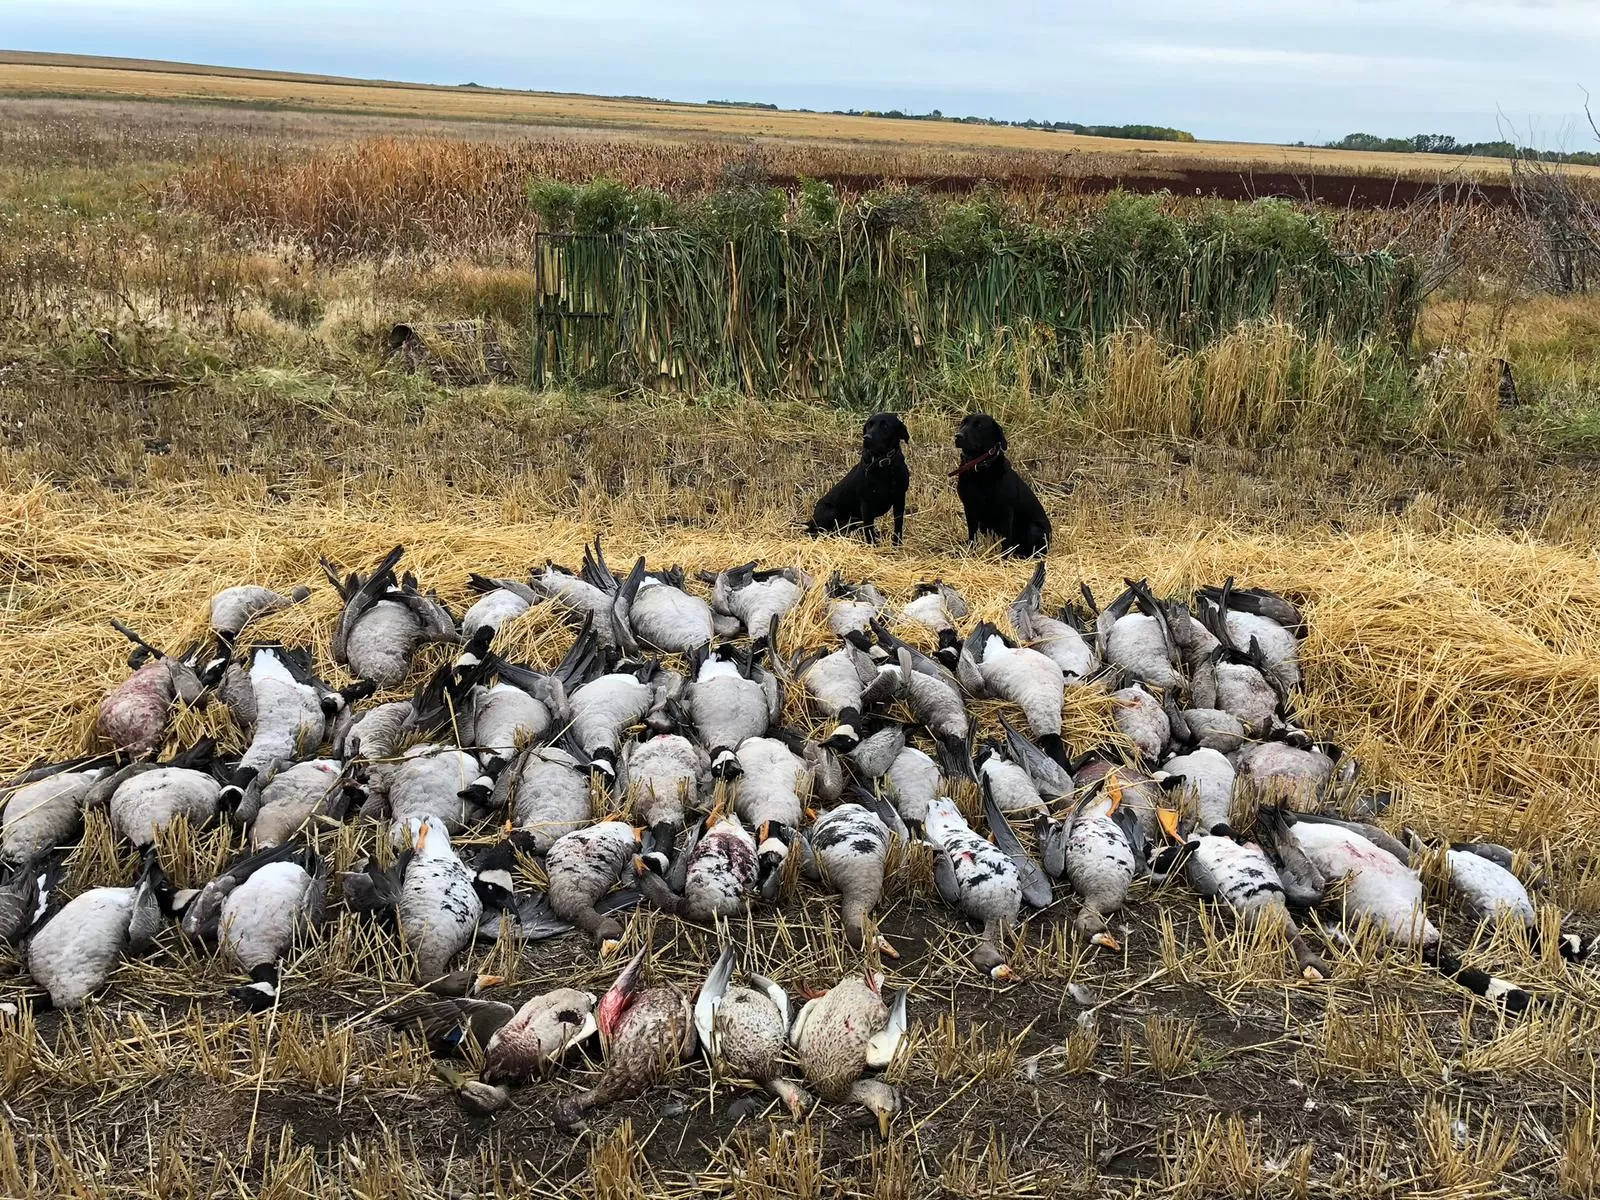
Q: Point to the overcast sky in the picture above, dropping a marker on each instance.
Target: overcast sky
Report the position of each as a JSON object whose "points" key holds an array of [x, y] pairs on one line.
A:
{"points": [[1268, 70]]}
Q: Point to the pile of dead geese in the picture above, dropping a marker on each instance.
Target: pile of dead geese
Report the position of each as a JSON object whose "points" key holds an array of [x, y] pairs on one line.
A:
{"points": [[670, 704]]}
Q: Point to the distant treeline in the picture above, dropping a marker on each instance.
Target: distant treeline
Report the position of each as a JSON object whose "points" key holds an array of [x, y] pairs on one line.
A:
{"points": [[1443, 143], [1142, 133]]}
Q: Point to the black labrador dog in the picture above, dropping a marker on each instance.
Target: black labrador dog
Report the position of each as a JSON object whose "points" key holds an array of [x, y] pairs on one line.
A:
{"points": [[874, 485], [996, 499]]}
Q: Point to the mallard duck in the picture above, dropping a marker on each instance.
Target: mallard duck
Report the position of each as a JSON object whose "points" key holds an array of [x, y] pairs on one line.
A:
{"points": [[975, 877], [1138, 639], [646, 1034], [744, 1031], [439, 907], [729, 702], [45, 813], [133, 716], [582, 867], [848, 847], [519, 1041], [845, 1032], [1060, 639], [73, 952], [235, 607]]}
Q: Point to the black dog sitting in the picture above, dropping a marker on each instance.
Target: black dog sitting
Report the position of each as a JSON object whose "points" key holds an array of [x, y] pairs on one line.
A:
{"points": [[874, 485], [996, 499]]}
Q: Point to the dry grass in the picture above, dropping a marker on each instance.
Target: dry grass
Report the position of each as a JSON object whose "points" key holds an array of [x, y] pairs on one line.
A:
{"points": [[26, 74]]}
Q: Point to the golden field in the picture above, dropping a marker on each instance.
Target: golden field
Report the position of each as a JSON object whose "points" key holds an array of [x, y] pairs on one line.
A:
{"points": [[23, 74]]}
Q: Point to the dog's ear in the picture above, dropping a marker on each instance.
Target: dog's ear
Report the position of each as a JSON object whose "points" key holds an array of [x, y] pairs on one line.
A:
{"points": [[900, 427]]}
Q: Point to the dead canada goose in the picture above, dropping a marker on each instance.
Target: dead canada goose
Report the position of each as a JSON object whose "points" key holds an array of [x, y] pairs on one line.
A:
{"points": [[1278, 645], [384, 620], [937, 607], [730, 700], [297, 794], [26, 895], [1132, 633], [45, 813], [73, 952], [757, 599], [146, 799], [606, 707], [265, 914], [1237, 681], [852, 607], [991, 665], [578, 598], [546, 793], [934, 698], [234, 608], [292, 713], [1061, 639], [441, 783], [133, 716], [653, 611], [525, 705], [500, 601], [834, 684], [1013, 788], [663, 776]]}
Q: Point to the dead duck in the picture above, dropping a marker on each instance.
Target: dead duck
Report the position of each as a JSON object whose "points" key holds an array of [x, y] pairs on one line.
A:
{"points": [[499, 602], [757, 599], [134, 715], [852, 607], [520, 1042], [719, 872], [45, 813], [1060, 639], [297, 794], [1132, 633], [663, 776], [730, 700], [977, 879], [384, 620], [846, 849], [1207, 786], [645, 1032], [477, 1097], [744, 1031], [582, 866], [75, 950], [441, 783], [144, 800], [546, 793], [845, 1032], [234, 608], [835, 683], [439, 907], [990, 664], [609, 705], [264, 915]]}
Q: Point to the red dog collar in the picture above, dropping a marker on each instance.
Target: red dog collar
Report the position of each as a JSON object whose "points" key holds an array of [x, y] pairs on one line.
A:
{"points": [[972, 464]]}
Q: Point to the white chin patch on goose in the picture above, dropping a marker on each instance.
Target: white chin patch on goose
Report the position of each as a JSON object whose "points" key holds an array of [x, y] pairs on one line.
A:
{"points": [[500, 878], [724, 759], [773, 846], [264, 987], [845, 732], [1498, 988]]}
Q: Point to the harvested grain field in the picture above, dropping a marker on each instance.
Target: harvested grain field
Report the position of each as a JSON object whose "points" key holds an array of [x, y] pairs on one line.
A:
{"points": [[194, 395]]}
